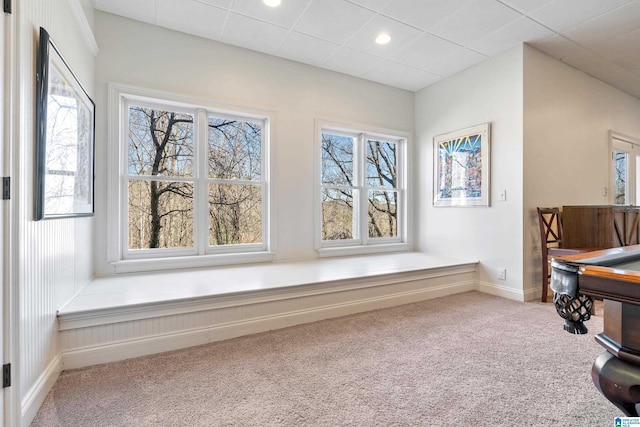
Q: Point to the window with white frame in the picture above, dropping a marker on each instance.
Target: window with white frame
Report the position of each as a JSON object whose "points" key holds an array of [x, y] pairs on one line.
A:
{"points": [[362, 190], [192, 183]]}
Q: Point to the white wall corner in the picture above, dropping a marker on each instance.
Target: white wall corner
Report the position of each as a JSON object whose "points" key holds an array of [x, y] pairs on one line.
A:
{"points": [[84, 25]]}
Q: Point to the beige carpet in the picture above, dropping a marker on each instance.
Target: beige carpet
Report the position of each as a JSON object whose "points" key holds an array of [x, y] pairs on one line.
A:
{"points": [[464, 360]]}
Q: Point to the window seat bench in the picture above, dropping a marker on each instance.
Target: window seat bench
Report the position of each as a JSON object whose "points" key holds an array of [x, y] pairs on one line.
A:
{"points": [[124, 316]]}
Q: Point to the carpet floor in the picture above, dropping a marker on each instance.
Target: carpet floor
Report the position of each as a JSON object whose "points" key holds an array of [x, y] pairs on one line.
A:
{"points": [[464, 360]]}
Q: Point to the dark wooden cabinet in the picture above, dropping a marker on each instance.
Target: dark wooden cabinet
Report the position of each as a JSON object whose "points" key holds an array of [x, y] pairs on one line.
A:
{"points": [[600, 226]]}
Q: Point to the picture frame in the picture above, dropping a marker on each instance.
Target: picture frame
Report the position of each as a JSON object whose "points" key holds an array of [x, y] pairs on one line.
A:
{"points": [[64, 138], [462, 167]]}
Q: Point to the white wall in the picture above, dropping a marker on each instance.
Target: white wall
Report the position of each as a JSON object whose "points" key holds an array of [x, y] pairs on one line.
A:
{"points": [[567, 117], [53, 258], [142, 55], [488, 92]]}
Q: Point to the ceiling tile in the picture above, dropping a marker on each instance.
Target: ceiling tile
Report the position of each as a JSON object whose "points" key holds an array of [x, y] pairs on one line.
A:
{"points": [[333, 20], [615, 76], [376, 5], [521, 30], [402, 76], [400, 33], [142, 10], [475, 20], [223, 4], [458, 62], [191, 17], [616, 23], [422, 14], [286, 14], [350, 61], [600, 36], [426, 51], [557, 46], [307, 49], [582, 58], [620, 47], [525, 6], [560, 15], [253, 34]]}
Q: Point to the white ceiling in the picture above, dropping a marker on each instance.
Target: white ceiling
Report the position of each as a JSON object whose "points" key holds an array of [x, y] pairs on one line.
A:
{"points": [[431, 39]]}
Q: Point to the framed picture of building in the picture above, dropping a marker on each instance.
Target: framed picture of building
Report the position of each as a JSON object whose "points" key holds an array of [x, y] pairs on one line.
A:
{"points": [[461, 167]]}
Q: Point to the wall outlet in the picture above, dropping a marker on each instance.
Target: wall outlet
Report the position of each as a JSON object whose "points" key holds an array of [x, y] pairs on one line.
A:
{"points": [[502, 196], [502, 273]]}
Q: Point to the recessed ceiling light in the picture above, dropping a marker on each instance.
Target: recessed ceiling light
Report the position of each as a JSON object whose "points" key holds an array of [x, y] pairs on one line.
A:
{"points": [[272, 3], [383, 38]]}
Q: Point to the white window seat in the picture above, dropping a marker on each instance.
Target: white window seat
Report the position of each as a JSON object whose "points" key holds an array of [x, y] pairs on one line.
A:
{"points": [[124, 316]]}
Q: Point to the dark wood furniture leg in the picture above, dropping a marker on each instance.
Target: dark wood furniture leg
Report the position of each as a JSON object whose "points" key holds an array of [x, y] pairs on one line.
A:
{"points": [[616, 372], [618, 381]]}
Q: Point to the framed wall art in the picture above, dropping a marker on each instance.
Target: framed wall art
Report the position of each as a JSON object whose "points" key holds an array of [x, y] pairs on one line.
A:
{"points": [[461, 167], [65, 138]]}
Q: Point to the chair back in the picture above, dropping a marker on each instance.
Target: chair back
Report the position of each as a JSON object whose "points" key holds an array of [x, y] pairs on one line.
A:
{"points": [[550, 237], [550, 228]]}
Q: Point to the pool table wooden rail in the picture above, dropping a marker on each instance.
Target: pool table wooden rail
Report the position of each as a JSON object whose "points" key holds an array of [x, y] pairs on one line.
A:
{"points": [[608, 282]]}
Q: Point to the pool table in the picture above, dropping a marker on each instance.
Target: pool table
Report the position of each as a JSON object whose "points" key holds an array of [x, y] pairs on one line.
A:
{"points": [[612, 275]]}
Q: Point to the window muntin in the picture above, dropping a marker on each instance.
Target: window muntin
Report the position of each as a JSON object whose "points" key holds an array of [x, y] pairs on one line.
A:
{"points": [[194, 181], [361, 188]]}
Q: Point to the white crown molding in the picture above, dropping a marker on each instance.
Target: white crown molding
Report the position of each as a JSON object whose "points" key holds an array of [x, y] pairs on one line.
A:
{"points": [[81, 18]]}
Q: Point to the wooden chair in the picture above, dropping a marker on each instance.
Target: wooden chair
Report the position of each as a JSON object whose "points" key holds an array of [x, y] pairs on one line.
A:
{"points": [[551, 242]]}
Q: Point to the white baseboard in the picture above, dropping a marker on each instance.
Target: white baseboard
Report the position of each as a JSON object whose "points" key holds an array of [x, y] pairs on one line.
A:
{"points": [[125, 349], [502, 291], [34, 398]]}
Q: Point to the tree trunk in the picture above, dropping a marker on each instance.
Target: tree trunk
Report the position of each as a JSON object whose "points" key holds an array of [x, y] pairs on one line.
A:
{"points": [[154, 235]]}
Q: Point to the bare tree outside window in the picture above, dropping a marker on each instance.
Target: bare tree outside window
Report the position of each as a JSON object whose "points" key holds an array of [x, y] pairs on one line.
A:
{"points": [[382, 174], [161, 150], [620, 177], [337, 195], [341, 189], [162, 185], [235, 201]]}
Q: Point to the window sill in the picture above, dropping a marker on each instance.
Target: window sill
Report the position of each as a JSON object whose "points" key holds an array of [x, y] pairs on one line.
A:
{"points": [[173, 263], [364, 250]]}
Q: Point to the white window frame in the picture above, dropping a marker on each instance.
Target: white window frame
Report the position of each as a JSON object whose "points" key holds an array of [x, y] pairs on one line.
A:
{"points": [[364, 244], [631, 147], [201, 254]]}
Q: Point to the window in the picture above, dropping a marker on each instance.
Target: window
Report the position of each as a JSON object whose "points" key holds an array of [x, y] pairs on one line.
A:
{"points": [[192, 184], [624, 175], [362, 190]]}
